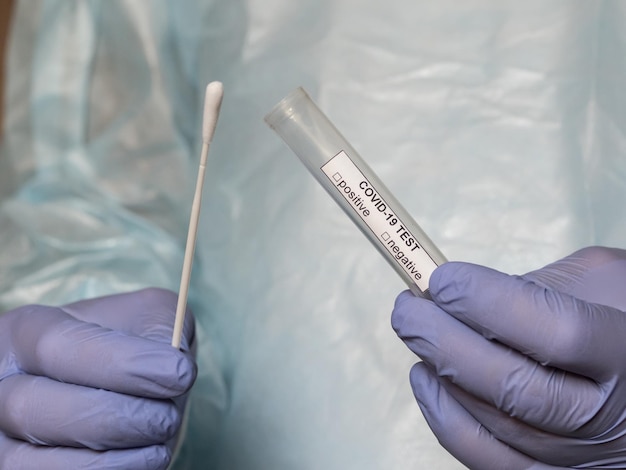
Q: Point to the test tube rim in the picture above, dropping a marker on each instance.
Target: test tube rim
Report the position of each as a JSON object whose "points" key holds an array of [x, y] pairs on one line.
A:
{"points": [[285, 108]]}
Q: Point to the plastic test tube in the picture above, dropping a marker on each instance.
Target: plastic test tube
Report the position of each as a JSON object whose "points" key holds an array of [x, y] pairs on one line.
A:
{"points": [[356, 188]]}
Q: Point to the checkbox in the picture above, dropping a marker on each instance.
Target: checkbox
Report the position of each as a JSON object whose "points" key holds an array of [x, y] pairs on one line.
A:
{"points": [[337, 176], [385, 236]]}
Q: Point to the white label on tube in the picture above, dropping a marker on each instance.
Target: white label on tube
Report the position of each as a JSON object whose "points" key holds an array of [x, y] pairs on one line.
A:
{"points": [[389, 230]]}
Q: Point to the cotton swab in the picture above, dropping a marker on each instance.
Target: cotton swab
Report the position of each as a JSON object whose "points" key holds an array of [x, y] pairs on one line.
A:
{"points": [[212, 104]]}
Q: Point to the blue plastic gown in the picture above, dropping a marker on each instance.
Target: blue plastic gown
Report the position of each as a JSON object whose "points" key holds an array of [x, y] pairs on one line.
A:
{"points": [[499, 125]]}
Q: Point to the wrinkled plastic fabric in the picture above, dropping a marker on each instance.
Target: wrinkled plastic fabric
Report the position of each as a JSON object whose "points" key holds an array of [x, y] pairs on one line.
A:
{"points": [[499, 125]]}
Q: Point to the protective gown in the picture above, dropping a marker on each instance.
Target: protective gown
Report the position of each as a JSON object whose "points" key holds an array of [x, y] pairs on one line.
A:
{"points": [[499, 125]]}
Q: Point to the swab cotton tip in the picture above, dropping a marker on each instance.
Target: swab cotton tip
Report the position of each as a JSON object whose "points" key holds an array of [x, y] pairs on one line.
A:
{"points": [[212, 103]]}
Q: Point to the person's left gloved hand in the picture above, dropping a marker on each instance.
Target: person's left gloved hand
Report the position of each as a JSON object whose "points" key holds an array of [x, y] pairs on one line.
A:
{"points": [[94, 384], [524, 372]]}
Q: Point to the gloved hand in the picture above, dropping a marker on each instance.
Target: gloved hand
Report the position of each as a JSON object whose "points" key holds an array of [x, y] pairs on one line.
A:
{"points": [[524, 372], [91, 385]]}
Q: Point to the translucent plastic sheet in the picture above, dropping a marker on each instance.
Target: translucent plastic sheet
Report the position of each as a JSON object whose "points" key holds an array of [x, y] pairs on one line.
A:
{"points": [[507, 118]]}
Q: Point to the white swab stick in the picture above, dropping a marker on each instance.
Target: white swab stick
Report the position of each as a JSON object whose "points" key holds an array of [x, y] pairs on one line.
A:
{"points": [[212, 103]]}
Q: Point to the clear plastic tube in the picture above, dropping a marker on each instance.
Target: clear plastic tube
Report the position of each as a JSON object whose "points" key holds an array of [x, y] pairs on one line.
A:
{"points": [[356, 188]]}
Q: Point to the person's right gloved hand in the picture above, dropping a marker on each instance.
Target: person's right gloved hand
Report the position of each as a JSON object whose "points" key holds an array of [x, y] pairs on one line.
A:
{"points": [[94, 384]]}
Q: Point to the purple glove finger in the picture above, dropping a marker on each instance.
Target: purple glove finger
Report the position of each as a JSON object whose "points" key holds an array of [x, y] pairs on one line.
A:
{"points": [[552, 328], [593, 274], [77, 416], [18, 455], [547, 447], [148, 313], [502, 377], [49, 342], [464, 437]]}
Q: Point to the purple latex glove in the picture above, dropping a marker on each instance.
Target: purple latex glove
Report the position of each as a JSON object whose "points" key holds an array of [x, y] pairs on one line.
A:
{"points": [[524, 372], [91, 385]]}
